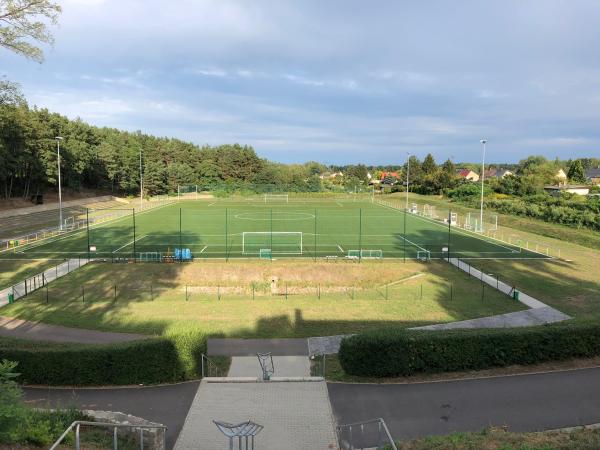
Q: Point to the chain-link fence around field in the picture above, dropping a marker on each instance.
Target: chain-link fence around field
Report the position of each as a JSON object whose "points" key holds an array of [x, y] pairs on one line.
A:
{"points": [[279, 226]]}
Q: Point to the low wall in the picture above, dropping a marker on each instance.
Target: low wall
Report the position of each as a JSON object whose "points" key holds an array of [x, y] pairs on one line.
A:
{"points": [[51, 206]]}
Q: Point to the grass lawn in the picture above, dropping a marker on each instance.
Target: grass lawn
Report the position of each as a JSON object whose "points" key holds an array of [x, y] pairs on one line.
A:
{"points": [[15, 270], [570, 284], [235, 299], [500, 439]]}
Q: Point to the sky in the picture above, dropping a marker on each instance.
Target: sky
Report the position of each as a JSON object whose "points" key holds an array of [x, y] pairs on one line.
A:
{"points": [[337, 81]]}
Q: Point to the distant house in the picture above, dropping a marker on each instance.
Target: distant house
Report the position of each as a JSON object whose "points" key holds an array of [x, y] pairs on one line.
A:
{"points": [[561, 176], [570, 188], [384, 175], [330, 176], [497, 173], [593, 175], [468, 175]]}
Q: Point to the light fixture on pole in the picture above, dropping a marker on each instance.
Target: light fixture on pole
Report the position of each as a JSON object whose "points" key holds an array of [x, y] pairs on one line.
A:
{"points": [[60, 212], [407, 176], [483, 142]]}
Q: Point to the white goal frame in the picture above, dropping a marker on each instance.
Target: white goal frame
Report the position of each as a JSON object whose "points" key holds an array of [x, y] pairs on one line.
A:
{"points": [[180, 193], [272, 234], [275, 197]]}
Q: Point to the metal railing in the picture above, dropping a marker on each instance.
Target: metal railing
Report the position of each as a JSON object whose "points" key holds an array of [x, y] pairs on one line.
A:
{"points": [[209, 368], [372, 434], [158, 432]]}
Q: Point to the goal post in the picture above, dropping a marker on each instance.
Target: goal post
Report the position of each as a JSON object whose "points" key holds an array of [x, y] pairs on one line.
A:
{"points": [[423, 255], [365, 254], [276, 198], [187, 191], [276, 242]]}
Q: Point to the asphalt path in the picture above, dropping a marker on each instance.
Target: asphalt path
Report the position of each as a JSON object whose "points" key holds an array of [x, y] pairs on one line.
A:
{"points": [[167, 404], [523, 403]]}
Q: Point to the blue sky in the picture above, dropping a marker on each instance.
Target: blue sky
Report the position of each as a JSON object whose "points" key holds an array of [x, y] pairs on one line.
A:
{"points": [[334, 81]]}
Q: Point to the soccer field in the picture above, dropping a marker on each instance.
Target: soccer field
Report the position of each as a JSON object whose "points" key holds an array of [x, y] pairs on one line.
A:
{"points": [[226, 228]]}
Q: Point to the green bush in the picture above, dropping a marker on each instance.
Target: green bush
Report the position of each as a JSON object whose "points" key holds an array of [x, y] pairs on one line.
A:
{"points": [[148, 361], [399, 352]]}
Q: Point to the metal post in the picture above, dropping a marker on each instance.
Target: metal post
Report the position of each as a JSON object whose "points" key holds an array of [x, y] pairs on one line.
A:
{"points": [[60, 211], [407, 176], [449, 231], [483, 141], [451, 292], [133, 212], [226, 252], [87, 222], [359, 234], [271, 221], [404, 235], [77, 441], [82, 293], [315, 235], [180, 244], [115, 439], [141, 183], [115, 292]]}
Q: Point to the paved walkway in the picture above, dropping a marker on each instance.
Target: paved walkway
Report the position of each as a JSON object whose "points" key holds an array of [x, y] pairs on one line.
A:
{"points": [[22, 329], [531, 402], [250, 347], [295, 415]]}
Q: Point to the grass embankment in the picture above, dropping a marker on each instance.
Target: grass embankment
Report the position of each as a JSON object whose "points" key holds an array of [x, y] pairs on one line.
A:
{"points": [[500, 439], [235, 300], [14, 271], [570, 284]]}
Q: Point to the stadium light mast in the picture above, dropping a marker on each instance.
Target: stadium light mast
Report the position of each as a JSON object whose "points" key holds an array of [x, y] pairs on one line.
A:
{"points": [[483, 142], [60, 211], [141, 183], [407, 176]]}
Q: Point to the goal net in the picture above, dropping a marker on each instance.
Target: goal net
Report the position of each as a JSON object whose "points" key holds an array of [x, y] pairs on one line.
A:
{"points": [[365, 254], [187, 191], [276, 198], [277, 242]]}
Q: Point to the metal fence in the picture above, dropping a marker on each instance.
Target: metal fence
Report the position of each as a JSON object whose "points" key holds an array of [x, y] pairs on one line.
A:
{"points": [[40, 280], [110, 435], [372, 434]]}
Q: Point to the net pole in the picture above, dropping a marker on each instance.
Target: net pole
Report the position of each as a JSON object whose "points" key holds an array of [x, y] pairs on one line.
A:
{"points": [[359, 234], [315, 235], [180, 245], [87, 222], [133, 216], [449, 231], [271, 233], [405, 235]]}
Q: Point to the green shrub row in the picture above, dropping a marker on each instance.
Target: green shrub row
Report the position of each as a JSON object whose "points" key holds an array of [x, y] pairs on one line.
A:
{"points": [[400, 352], [148, 361]]}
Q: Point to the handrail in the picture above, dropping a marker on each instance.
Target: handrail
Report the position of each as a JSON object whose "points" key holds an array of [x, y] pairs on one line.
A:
{"points": [[211, 368], [379, 421], [77, 424]]}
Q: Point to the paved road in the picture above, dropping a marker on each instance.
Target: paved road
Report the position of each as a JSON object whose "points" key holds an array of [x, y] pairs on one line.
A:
{"points": [[162, 404], [23, 329], [524, 403]]}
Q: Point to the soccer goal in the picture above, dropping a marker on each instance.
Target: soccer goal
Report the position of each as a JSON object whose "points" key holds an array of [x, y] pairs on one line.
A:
{"points": [[365, 254], [188, 191], [277, 242], [69, 223], [423, 255], [429, 211], [150, 257], [276, 198]]}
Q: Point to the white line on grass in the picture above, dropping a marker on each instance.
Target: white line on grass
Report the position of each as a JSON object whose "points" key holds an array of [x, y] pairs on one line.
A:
{"points": [[129, 243], [341, 249], [205, 247]]}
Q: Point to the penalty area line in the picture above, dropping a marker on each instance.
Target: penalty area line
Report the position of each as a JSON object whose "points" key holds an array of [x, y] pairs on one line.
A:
{"points": [[341, 249], [129, 243]]}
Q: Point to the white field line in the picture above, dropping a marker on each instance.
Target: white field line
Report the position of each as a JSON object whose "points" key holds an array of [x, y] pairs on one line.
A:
{"points": [[457, 230], [205, 247], [129, 243], [49, 240], [213, 203], [341, 249], [339, 204]]}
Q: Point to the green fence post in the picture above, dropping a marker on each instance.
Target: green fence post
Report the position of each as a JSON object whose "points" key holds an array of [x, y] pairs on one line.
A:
{"points": [[271, 245], [151, 291], [421, 291], [82, 293], [226, 250], [87, 223], [359, 234], [115, 292], [451, 292], [404, 244], [315, 253], [180, 242], [449, 231], [47, 297], [133, 216]]}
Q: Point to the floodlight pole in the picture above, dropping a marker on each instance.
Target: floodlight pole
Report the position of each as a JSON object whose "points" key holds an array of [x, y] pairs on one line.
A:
{"points": [[483, 142], [60, 211], [407, 176]]}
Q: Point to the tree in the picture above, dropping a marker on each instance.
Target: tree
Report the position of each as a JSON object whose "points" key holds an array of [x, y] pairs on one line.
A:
{"points": [[429, 166], [23, 21], [11, 408], [10, 94], [576, 172]]}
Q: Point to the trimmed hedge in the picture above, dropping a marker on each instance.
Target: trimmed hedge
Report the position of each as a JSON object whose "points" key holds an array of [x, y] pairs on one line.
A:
{"points": [[399, 352], [147, 361]]}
